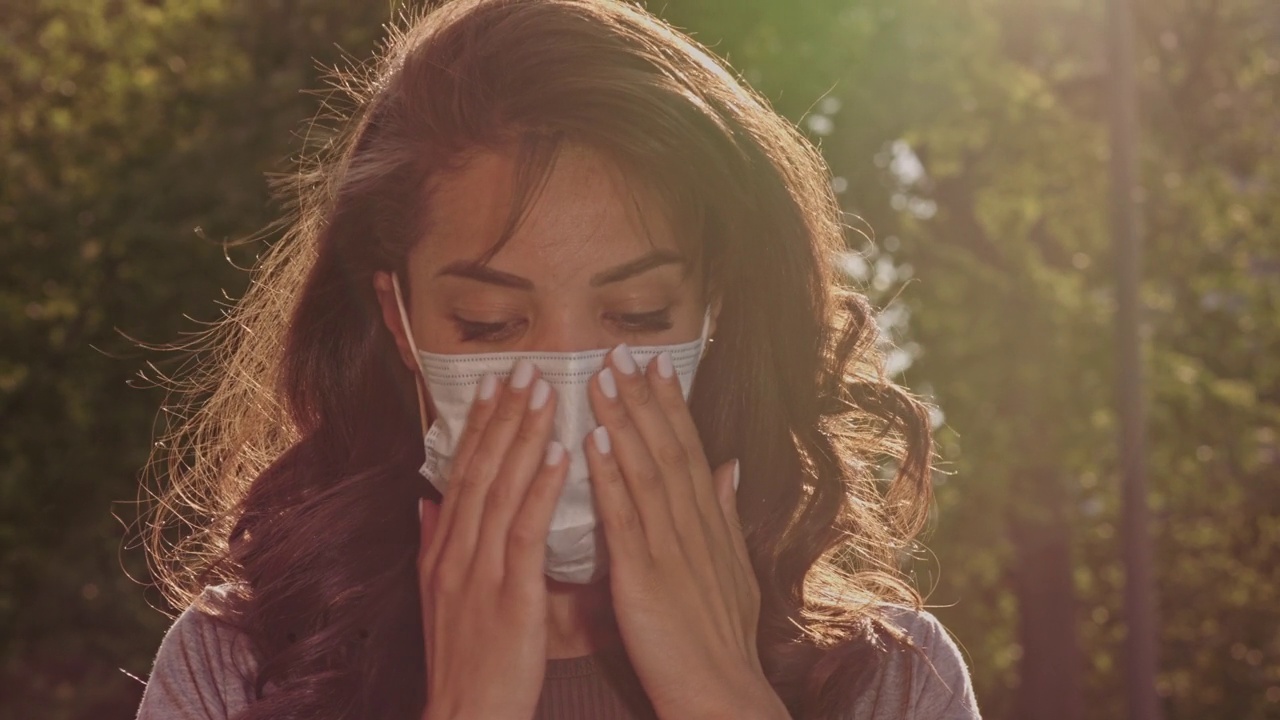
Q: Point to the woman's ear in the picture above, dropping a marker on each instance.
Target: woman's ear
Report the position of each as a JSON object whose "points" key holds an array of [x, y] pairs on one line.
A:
{"points": [[714, 297], [395, 318], [390, 304]]}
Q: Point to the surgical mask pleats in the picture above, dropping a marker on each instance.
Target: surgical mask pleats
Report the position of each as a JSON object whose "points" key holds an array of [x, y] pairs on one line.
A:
{"points": [[575, 548]]}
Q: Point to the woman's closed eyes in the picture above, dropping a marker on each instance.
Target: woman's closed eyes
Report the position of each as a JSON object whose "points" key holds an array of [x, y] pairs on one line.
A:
{"points": [[633, 324]]}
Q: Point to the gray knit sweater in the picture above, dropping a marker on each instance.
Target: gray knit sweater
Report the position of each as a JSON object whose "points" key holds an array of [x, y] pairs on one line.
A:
{"points": [[205, 670]]}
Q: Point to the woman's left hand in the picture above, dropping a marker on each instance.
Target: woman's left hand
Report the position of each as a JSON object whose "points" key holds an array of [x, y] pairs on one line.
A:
{"points": [[684, 592]]}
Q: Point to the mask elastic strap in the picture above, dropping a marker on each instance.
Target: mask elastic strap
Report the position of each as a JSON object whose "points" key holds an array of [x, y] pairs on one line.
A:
{"points": [[408, 333], [706, 328], [404, 316]]}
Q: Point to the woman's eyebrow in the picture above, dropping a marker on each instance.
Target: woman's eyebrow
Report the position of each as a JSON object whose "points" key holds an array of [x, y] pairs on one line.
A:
{"points": [[642, 264], [473, 270], [479, 272]]}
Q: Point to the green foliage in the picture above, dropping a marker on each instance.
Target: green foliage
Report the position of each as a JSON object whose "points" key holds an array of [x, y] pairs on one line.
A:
{"points": [[135, 138], [970, 134]]}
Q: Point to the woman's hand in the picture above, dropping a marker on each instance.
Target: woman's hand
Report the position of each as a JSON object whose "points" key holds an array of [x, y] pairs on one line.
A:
{"points": [[684, 592], [480, 569]]}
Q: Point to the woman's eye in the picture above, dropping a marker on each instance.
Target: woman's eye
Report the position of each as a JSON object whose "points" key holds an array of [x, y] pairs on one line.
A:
{"points": [[647, 322], [476, 331], [494, 332]]}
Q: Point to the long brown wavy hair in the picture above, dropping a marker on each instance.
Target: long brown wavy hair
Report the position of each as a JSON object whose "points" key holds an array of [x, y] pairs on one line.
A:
{"points": [[291, 470]]}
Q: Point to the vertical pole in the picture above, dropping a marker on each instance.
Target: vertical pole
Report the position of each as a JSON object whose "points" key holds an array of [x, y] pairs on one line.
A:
{"points": [[1139, 603]]}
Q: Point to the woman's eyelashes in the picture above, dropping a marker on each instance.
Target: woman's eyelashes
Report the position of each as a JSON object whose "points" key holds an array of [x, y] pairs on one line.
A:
{"points": [[646, 322], [654, 321], [476, 331]]}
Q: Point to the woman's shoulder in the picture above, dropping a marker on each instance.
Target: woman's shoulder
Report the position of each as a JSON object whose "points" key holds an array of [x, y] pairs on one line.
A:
{"points": [[925, 678], [205, 667]]}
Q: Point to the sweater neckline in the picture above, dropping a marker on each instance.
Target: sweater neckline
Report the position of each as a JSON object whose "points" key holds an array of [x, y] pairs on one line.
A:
{"points": [[572, 667]]}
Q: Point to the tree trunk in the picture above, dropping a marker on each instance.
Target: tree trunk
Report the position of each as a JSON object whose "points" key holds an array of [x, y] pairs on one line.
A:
{"points": [[1052, 663]]}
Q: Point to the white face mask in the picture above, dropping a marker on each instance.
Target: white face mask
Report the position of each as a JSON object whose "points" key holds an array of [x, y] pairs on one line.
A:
{"points": [[575, 551]]}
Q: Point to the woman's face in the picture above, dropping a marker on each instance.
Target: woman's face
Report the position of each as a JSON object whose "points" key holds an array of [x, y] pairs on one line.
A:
{"points": [[592, 265]]}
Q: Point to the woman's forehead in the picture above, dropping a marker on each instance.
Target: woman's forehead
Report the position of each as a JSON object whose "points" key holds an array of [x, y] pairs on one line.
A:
{"points": [[584, 215]]}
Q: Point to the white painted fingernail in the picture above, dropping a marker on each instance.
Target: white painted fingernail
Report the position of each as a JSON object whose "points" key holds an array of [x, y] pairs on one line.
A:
{"points": [[665, 368], [600, 436], [522, 375], [623, 361], [541, 392], [555, 453], [737, 466], [488, 386], [608, 385]]}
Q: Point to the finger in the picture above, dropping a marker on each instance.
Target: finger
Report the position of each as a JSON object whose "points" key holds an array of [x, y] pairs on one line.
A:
{"points": [[630, 454], [428, 525], [527, 539], [507, 491], [669, 395], [471, 486], [624, 534], [726, 480], [729, 563], [724, 529], [478, 415], [643, 405], [675, 440]]}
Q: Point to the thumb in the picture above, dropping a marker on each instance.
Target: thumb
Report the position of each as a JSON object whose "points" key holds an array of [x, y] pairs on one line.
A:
{"points": [[428, 519], [726, 480], [428, 522]]}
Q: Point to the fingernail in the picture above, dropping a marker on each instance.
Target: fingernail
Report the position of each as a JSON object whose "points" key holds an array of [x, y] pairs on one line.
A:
{"points": [[488, 386], [737, 466], [600, 436], [607, 384], [665, 368], [419, 511], [555, 453], [522, 375], [541, 391], [622, 359]]}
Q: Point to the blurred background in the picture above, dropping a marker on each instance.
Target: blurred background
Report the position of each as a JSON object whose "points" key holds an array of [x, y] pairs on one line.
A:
{"points": [[136, 138]]}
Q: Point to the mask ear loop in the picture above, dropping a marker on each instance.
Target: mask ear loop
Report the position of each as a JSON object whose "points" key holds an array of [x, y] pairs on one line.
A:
{"points": [[418, 381], [705, 336]]}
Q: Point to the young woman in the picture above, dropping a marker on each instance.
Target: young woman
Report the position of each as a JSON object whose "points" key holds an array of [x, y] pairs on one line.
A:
{"points": [[552, 404]]}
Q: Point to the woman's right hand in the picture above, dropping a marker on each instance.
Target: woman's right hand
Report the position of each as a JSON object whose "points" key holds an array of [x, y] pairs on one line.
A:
{"points": [[480, 567]]}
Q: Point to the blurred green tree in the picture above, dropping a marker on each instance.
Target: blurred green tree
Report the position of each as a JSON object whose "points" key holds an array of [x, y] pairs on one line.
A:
{"points": [[971, 136], [135, 136]]}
